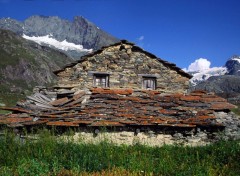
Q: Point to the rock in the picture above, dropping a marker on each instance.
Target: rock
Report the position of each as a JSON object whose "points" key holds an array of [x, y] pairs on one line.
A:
{"points": [[126, 134], [2, 104]]}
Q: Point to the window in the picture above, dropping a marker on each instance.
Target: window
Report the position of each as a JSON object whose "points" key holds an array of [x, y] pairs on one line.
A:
{"points": [[101, 80], [149, 83]]}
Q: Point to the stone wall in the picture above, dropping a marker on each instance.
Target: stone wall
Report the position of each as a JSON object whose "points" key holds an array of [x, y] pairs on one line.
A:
{"points": [[125, 64], [232, 125], [197, 137], [190, 138]]}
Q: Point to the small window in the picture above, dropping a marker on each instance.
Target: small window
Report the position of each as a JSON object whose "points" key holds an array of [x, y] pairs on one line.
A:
{"points": [[149, 83], [101, 80]]}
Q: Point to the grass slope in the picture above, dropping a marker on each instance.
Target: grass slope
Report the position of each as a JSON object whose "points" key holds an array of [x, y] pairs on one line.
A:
{"points": [[49, 156]]}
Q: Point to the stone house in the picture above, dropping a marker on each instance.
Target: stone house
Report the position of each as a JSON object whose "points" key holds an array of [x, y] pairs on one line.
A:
{"points": [[132, 93], [123, 65]]}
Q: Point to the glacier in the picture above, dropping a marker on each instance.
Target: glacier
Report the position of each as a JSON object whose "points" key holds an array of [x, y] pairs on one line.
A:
{"points": [[203, 75], [62, 45], [200, 70]]}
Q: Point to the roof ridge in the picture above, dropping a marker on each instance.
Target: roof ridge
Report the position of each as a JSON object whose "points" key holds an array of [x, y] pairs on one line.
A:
{"points": [[136, 48]]}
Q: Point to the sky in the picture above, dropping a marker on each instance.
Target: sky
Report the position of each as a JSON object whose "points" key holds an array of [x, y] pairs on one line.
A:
{"points": [[179, 31]]}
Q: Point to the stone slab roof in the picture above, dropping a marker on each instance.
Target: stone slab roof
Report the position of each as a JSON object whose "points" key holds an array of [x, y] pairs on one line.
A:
{"points": [[100, 107]]}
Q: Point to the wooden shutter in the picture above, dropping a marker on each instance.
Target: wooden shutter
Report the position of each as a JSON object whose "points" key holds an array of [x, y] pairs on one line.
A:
{"points": [[149, 83]]}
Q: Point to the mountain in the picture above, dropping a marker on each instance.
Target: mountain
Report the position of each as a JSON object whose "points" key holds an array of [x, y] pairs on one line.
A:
{"points": [[225, 82], [233, 65], [31, 50], [203, 75], [75, 38], [25, 64]]}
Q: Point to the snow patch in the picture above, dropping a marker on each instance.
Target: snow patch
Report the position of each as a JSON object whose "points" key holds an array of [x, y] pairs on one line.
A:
{"points": [[207, 73], [236, 59], [63, 45]]}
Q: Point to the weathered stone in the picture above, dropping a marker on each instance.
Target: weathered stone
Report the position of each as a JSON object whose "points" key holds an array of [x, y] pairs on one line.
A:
{"points": [[222, 106], [129, 51], [190, 98], [213, 99], [60, 102], [112, 91], [116, 61]]}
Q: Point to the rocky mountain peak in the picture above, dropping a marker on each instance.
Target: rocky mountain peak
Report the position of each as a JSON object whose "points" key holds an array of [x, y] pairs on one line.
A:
{"points": [[233, 65], [80, 20], [12, 25], [79, 32]]}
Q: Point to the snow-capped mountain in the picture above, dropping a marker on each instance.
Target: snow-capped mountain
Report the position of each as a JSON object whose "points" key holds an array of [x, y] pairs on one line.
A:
{"points": [[25, 64], [201, 70], [224, 81], [30, 49], [233, 65], [203, 75], [75, 38]]}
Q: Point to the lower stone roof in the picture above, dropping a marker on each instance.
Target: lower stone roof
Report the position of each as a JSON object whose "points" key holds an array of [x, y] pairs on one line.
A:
{"points": [[100, 107]]}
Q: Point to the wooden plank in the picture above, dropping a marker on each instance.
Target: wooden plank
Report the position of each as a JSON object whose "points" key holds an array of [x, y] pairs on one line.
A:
{"points": [[78, 101], [44, 106], [43, 97], [35, 99]]}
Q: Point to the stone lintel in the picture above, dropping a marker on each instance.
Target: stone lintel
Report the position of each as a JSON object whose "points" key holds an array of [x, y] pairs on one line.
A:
{"points": [[91, 73], [148, 75]]}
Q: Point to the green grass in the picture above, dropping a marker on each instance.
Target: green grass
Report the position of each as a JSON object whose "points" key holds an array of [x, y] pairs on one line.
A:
{"points": [[50, 156], [14, 56], [10, 99], [4, 112], [236, 110]]}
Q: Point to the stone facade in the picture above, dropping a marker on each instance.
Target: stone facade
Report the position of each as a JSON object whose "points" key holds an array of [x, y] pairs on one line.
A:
{"points": [[105, 90], [126, 65]]}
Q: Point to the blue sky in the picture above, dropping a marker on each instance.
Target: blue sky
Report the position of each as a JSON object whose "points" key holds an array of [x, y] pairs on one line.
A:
{"points": [[179, 31]]}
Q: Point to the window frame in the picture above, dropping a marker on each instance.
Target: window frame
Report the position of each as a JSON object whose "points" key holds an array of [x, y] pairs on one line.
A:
{"points": [[101, 76], [149, 78]]}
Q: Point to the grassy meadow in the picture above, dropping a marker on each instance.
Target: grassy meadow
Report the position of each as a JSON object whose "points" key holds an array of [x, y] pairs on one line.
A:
{"points": [[50, 156]]}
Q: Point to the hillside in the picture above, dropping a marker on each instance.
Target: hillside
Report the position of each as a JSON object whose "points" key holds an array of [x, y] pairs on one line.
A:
{"points": [[26, 56], [25, 64], [75, 38]]}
